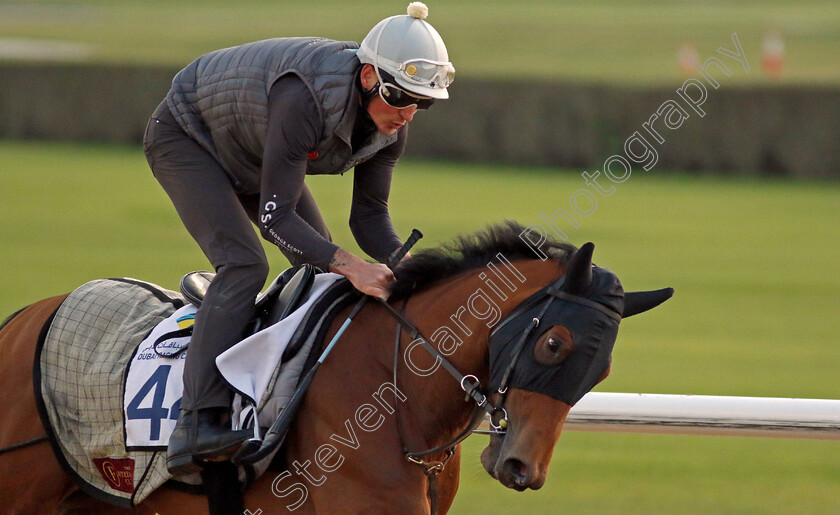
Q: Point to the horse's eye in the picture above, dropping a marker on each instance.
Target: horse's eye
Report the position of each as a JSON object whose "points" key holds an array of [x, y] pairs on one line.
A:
{"points": [[553, 346]]}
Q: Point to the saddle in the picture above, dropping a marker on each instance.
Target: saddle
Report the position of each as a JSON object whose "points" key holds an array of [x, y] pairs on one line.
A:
{"points": [[282, 296], [82, 363]]}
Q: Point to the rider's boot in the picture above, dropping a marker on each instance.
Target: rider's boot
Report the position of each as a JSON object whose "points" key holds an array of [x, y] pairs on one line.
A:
{"points": [[199, 435]]}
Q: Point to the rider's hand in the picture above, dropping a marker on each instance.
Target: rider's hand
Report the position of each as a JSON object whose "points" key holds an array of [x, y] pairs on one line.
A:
{"points": [[374, 279]]}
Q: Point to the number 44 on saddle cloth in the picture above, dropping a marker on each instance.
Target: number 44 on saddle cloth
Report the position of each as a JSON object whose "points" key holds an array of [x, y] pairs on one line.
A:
{"points": [[154, 385]]}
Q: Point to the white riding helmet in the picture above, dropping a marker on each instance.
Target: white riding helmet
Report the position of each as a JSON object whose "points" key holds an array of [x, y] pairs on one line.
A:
{"points": [[411, 51]]}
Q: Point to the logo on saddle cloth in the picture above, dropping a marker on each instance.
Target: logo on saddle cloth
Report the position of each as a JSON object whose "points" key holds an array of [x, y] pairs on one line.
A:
{"points": [[185, 321], [118, 472]]}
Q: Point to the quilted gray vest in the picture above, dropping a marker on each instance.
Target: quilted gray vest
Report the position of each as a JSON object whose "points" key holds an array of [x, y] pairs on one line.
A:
{"points": [[221, 101]]}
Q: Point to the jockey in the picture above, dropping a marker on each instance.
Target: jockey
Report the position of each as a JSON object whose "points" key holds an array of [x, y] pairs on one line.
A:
{"points": [[232, 143]]}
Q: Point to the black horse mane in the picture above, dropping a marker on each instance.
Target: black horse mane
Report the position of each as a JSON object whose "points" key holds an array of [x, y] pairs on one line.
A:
{"points": [[469, 252]]}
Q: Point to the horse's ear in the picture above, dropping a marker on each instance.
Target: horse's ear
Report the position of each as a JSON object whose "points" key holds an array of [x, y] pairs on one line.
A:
{"points": [[579, 273], [636, 302]]}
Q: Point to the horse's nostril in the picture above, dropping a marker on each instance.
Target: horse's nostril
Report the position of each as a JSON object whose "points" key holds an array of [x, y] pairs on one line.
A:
{"points": [[517, 471]]}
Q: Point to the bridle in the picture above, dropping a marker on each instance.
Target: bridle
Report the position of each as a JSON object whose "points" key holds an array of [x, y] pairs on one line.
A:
{"points": [[470, 384]]}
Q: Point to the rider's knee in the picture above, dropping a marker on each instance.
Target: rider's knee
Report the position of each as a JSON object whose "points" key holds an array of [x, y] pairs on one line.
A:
{"points": [[243, 276], [255, 272]]}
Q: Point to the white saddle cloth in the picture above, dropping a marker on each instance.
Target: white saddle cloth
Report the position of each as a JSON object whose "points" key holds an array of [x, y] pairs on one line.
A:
{"points": [[154, 384]]}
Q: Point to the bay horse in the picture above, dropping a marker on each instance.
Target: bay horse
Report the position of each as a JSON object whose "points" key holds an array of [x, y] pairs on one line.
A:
{"points": [[529, 333]]}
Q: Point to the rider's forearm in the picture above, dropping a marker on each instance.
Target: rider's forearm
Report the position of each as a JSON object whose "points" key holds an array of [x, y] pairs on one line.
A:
{"points": [[345, 263], [373, 279]]}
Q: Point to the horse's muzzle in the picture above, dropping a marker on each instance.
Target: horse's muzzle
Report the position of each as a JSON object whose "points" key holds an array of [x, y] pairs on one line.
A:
{"points": [[520, 457], [513, 472]]}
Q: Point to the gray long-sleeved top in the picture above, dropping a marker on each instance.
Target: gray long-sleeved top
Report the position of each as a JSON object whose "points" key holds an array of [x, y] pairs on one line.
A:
{"points": [[293, 132]]}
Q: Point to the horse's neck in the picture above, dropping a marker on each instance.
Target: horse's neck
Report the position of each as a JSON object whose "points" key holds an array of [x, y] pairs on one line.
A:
{"points": [[456, 317]]}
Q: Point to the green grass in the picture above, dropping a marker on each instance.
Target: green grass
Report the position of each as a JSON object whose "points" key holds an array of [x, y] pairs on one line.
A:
{"points": [[658, 474], [623, 42], [754, 262]]}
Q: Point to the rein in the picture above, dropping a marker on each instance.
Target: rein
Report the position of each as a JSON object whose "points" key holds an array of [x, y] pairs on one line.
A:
{"points": [[470, 384], [430, 468], [472, 389]]}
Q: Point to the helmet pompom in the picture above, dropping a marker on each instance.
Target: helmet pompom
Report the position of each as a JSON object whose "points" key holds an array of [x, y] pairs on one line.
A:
{"points": [[418, 10]]}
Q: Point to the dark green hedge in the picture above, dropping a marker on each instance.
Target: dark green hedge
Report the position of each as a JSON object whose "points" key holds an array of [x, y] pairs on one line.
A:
{"points": [[788, 131]]}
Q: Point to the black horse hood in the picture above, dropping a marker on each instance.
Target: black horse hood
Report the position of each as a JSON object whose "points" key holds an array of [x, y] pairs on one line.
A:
{"points": [[590, 311]]}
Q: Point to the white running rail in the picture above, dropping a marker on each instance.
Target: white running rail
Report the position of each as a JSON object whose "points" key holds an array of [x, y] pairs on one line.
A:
{"points": [[706, 415]]}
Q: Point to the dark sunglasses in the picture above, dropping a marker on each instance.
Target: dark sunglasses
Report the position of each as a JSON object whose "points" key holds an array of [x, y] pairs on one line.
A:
{"points": [[401, 99]]}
